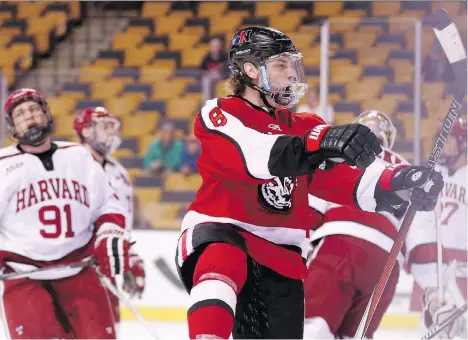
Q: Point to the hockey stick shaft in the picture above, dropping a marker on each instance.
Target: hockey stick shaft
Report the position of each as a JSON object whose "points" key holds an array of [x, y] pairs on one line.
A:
{"points": [[440, 285], [401, 236], [106, 282], [439, 328], [450, 40], [56, 268]]}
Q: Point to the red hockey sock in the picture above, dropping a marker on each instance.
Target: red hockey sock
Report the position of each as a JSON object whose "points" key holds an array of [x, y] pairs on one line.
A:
{"points": [[219, 276], [210, 321]]}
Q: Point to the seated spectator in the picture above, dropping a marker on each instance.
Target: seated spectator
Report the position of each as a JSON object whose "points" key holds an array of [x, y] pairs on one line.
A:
{"points": [[164, 153], [313, 105], [213, 66], [190, 156]]}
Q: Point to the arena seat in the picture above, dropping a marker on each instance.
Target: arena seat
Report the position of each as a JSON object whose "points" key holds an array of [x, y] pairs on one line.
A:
{"points": [[179, 182], [328, 9], [147, 194], [138, 125], [29, 30]]}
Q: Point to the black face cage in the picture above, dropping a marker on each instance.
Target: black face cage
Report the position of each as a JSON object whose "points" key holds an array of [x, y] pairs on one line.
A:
{"points": [[45, 108]]}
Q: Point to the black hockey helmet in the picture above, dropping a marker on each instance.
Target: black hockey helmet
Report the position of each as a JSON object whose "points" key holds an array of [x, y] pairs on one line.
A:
{"points": [[259, 45]]}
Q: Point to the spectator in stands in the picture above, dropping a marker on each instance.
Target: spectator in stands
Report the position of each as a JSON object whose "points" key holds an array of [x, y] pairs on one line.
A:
{"points": [[190, 156], [213, 67], [164, 153], [313, 105]]}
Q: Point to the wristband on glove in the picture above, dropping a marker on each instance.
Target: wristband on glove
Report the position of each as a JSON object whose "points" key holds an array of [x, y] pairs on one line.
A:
{"points": [[314, 137], [354, 144], [400, 184]]}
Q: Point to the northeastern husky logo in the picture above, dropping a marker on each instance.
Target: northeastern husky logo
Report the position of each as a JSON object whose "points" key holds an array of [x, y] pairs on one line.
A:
{"points": [[276, 195]]}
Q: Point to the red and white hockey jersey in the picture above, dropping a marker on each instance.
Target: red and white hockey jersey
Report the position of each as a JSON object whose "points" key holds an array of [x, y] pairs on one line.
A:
{"points": [[50, 208], [378, 228], [256, 174], [421, 242], [120, 182]]}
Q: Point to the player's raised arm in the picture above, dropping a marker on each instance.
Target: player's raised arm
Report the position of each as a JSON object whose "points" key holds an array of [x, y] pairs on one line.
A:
{"points": [[233, 147], [379, 187]]}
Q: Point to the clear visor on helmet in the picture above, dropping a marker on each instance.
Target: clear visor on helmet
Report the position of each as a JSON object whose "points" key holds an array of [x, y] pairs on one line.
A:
{"points": [[283, 77], [106, 135]]}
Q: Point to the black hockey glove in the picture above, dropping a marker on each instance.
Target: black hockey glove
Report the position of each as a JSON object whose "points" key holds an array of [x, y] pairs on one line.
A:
{"points": [[402, 184], [354, 144]]}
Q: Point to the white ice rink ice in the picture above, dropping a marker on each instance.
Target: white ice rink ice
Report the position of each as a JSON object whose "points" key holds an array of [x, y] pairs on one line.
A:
{"points": [[132, 330]]}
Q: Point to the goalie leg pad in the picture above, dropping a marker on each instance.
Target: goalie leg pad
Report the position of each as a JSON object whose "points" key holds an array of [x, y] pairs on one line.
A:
{"points": [[220, 274]]}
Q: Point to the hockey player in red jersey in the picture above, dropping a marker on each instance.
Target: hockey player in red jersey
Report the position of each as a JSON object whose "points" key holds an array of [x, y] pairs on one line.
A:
{"points": [[240, 251], [421, 246], [350, 248], [99, 132], [56, 208]]}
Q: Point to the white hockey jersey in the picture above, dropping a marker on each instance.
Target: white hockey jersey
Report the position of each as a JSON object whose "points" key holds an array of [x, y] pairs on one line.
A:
{"points": [[50, 206], [421, 242], [120, 182]]}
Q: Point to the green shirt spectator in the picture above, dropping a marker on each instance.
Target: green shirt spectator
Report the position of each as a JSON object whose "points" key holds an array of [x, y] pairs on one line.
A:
{"points": [[165, 152]]}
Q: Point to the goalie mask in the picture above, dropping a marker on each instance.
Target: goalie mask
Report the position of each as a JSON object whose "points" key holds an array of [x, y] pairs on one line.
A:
{"points": [[279, 64], [102, 130], [28, 117], [381, 125]]}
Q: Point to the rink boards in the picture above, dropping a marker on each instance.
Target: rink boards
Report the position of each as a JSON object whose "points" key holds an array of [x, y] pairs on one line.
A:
{"points": [[165, 299]]}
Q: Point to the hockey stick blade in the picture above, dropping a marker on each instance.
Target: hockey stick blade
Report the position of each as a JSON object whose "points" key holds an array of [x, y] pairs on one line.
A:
{"points": [[449, 38], [56, 268], [438, 328]]}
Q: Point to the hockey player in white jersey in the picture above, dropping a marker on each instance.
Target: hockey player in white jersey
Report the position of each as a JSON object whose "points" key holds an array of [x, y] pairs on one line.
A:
{"points": [[451, 222], [99, 132], [350, 250], [56, 207]]}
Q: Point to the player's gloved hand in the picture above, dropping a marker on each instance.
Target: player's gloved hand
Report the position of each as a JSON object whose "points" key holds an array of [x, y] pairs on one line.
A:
{"points": [[401, 184], [111, 250], [134, 279], [435, 312], [354, 144]]}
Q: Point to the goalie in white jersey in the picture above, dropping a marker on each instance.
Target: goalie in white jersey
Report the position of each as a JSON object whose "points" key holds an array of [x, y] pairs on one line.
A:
{"points": [[99, 132], [421, 246], [56, 207], [350, 248]]}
